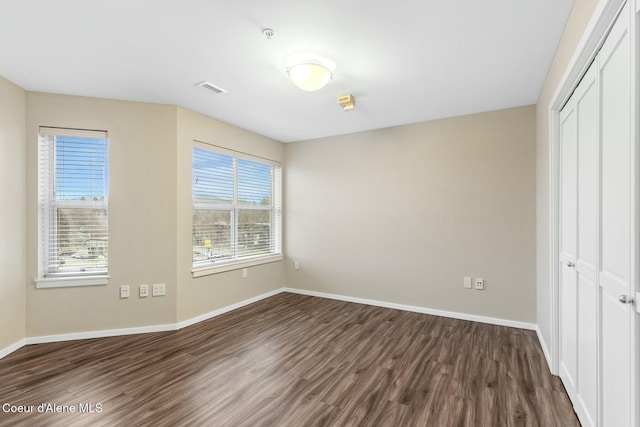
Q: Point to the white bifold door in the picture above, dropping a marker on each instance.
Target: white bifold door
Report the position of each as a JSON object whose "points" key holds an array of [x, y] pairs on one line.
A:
{"points": [[579, 247], [596, 214]]}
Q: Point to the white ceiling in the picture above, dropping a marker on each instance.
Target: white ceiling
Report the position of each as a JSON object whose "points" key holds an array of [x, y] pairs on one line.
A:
{"points": [[405, 61]]}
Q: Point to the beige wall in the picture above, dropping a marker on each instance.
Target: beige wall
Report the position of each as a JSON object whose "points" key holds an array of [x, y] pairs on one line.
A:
{"points": [[142, 216], [149, 217], [578, 20], [403, 214], [12, 212], [205, 294]]}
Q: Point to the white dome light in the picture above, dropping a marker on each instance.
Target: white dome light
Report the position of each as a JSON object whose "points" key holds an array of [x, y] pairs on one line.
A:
{"points": [[309, 72]]}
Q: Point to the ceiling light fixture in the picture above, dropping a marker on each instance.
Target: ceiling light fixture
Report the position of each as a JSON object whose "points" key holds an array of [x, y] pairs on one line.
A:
{"points": [[309, 72]]}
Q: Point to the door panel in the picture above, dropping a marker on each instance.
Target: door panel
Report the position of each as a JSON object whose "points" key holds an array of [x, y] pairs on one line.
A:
{"points": [[569, 325], [568, 184], [588, 117], [615, 273], [616, 403], [587, 351], [616, 161], [586, 264], [568, 246]]}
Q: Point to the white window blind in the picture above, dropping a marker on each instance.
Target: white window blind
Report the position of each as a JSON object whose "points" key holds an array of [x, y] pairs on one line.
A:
{"points": [[236, 207], [73, 193]]}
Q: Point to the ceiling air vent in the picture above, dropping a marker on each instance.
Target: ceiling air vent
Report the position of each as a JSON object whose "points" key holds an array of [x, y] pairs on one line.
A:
{"points": [[211, 87]]}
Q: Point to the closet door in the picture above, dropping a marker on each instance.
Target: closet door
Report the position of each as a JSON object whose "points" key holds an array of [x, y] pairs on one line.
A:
{"points": [[596, 245], [579, 240], [615, 225]]}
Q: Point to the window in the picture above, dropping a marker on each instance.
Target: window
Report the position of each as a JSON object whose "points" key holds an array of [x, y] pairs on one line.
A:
{"points": [[236, 209], [73, 194]]}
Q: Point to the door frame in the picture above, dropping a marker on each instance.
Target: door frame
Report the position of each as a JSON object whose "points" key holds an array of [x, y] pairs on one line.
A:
{"points": [[592, 40]]}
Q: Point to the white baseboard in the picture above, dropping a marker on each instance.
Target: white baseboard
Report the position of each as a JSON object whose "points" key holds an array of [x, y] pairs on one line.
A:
{"points": [[99, 334], [226, 309], [223, 310], [545, 350], [132, 331], [423, 310], [10, 349]]}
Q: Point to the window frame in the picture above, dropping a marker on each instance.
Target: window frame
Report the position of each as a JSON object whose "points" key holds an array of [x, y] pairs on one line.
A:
{"points": [[204, 268], [48, 205]]}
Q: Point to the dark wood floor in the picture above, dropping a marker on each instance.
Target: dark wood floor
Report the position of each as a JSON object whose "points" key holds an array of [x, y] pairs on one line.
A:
{"points": [[294, 360]]}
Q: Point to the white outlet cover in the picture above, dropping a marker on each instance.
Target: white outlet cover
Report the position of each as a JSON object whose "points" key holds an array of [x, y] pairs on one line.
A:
{"points": [[124, 291], [158, 289], [467, 282], [479, 284]]}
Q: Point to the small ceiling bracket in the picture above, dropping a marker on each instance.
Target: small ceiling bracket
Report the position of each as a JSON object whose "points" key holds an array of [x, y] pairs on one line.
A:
{"points": [[268, 33], [347, 102]]}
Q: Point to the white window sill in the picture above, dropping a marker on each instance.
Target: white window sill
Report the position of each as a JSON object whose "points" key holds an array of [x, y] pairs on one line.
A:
{"points": [[67, 282], [236, 265]]}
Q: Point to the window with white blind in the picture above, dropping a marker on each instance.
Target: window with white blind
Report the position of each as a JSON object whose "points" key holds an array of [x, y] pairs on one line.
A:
{"points": [[236, 209], [73, 212]]}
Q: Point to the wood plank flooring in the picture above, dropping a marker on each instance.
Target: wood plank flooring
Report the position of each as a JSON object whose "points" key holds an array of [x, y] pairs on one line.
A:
{"points": [[293, 360]]}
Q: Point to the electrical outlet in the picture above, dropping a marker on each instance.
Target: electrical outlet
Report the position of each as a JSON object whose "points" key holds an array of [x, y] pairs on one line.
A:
{"points": [[124, 291], [296, 265], [244, 273], [143, 291], [479, 284], [467, 282], [157, 289]]}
